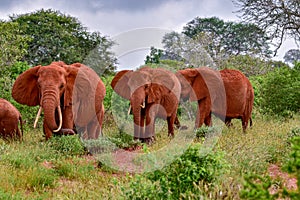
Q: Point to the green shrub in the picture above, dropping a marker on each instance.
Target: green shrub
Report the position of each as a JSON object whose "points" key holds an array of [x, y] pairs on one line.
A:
{"points": [[293, 165], [7, 196], [179, 179], [278, 92], [256, 187], [205, 131], [67, 145], [41, 178], [7, 78]]}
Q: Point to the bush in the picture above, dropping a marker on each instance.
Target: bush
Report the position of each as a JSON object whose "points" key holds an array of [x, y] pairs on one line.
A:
{"points": [[7, 78], [181, 178], [278, 92], [69, 145], [256, 187]]}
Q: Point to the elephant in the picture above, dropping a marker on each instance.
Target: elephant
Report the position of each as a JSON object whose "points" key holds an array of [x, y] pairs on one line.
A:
{"points": [[205, 86], [70, 95], [9, 120], [152, 93], [239, 97]]}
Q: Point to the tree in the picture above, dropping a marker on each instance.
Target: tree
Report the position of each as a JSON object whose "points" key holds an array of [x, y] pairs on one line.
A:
{"points": [[292, 56], [279, 18], [56, 36], [252, 66], [230, 38], [13, 44], [154, 56], [191, 51]]}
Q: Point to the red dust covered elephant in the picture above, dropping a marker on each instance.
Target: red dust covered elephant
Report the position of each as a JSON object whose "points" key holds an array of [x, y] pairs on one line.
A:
{"points": [[9, 120], [227, 93], [152, 93], [70, 95], [239, 97]]}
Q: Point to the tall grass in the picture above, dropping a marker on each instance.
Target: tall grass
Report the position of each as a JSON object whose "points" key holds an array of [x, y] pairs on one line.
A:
{"points": [[62, 169]]}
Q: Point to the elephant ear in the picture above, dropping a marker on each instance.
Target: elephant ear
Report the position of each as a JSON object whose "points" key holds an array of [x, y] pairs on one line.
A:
{"points": [[25, 89], [120, 83], [80, 81], [190, 83], [70, 80]]}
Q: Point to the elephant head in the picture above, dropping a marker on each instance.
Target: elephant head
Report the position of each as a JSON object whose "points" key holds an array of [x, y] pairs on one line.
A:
{"points": [[54, 88], [144, 88]]}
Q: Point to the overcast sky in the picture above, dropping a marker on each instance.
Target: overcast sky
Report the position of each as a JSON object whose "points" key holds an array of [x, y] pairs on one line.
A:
{"points": [[134, 24]]}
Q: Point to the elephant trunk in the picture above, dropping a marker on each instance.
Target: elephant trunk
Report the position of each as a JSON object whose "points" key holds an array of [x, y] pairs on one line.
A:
{"points": [[49, 105], [138, 122]]}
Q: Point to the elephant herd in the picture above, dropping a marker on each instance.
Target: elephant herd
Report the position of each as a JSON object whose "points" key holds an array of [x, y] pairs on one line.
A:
{"points": [[71, 97]]}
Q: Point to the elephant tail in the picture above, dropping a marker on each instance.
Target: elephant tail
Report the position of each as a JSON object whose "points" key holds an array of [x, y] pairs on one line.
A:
{"points": [[21, 127], [249, 103]]}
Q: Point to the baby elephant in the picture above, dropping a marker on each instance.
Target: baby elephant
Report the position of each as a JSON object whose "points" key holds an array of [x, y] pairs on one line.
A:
{"points": [[9, 119]]}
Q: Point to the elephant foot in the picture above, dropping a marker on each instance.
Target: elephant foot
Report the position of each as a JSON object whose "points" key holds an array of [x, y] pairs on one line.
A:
{"points": [[183, 127], [66, 131], [149, 140]]}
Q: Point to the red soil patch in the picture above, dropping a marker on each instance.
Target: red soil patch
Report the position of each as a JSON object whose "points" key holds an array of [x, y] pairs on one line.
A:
{"points": [[289, 182]]}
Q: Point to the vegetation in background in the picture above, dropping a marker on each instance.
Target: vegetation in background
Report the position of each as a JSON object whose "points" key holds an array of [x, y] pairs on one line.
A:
{"points": [[292, 56], [230, 38], [236, 167], [13, 45], [278, 92], [56, 36], [277, 18]]}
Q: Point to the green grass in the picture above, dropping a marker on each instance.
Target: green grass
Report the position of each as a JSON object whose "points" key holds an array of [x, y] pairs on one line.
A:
{"points": [[62, 169]]}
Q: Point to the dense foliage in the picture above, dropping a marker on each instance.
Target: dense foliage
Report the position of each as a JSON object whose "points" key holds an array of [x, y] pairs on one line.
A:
{"points": [[56, 36], [13, 44], [250, 65], [181, 179], [278, 92], [230, 38]]}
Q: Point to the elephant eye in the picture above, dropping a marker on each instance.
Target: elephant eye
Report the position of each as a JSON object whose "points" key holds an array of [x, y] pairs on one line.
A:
{"points": [[61, 86]]}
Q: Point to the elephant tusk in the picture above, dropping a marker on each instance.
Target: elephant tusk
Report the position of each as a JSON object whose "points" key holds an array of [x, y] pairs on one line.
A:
{"points": [[143, 105], [37, 117], [129, 109], [60, 120]]}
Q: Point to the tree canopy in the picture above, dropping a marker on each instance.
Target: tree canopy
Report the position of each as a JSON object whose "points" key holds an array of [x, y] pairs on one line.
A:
{"points": [[280, 18], [56, 36], [230, 38], [292, 56], [13, 45]]}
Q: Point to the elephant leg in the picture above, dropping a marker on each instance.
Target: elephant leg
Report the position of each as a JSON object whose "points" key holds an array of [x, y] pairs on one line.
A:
{"points": [[171, 121], [93, 129], [207, 120], [100, 117], [244, 122], [228, 122], [68, 121], [150, 125], [177, 123], [203, 112]]}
